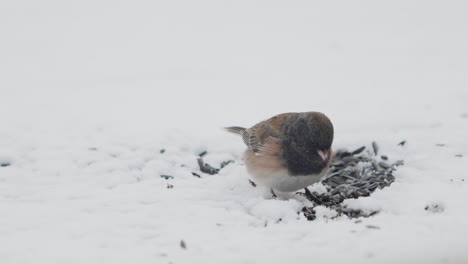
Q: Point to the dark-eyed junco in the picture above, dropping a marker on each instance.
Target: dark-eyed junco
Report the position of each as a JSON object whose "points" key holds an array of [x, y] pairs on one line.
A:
{"points": [[289, 151]]}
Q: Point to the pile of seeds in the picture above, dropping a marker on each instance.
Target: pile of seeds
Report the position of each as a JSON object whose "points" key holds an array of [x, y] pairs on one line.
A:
{"points": [[352, 175]]}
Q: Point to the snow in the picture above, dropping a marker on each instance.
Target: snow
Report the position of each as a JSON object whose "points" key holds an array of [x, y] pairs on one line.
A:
{"points": [[92, 91]]}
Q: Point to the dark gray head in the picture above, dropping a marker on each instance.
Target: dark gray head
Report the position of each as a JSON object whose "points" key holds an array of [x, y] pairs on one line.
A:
{"points": [[307, 142]]}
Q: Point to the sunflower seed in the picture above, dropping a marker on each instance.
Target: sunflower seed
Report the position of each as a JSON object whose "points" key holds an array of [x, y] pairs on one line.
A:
{"points": [[252, 183], [206, 168], [359, 150], [375, 147], [375, 165], [167, 177], [183, 245], [225, 163], [384, 165]]}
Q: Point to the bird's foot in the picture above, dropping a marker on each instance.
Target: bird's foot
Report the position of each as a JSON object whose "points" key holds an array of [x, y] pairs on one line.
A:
{"points": [[311, 197]]}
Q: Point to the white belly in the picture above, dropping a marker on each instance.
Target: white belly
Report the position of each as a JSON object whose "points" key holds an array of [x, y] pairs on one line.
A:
{"points": [[286, 183]]}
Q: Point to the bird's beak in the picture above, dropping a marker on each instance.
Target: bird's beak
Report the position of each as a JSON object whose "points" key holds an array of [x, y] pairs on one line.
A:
{"points": [[323, 154]]}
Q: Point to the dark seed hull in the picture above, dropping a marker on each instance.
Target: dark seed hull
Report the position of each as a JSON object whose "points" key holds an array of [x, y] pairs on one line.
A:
{"points": [[352, 175]]}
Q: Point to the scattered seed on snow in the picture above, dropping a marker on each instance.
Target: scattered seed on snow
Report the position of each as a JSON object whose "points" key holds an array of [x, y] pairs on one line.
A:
{"points": [[252, 183], [206, 168], [225, 163], [183, 245], [434, 208], [167, 177]]}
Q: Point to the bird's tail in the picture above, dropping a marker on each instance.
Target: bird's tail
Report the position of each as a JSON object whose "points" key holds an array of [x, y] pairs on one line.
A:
{"points": [[235, 130]]}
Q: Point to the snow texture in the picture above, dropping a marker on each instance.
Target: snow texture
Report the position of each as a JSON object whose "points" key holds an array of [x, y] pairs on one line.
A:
{"points": [[98, 99]]}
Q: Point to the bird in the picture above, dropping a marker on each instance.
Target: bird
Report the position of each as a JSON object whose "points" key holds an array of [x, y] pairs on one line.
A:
{"points": [[288, 152]]}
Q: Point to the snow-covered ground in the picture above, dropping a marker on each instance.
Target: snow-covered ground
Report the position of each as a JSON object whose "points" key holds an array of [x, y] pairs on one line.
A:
{"points": [[92, 91]]}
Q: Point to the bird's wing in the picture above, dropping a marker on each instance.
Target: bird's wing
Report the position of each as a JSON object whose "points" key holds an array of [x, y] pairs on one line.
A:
{"points": [[264, 137]]}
